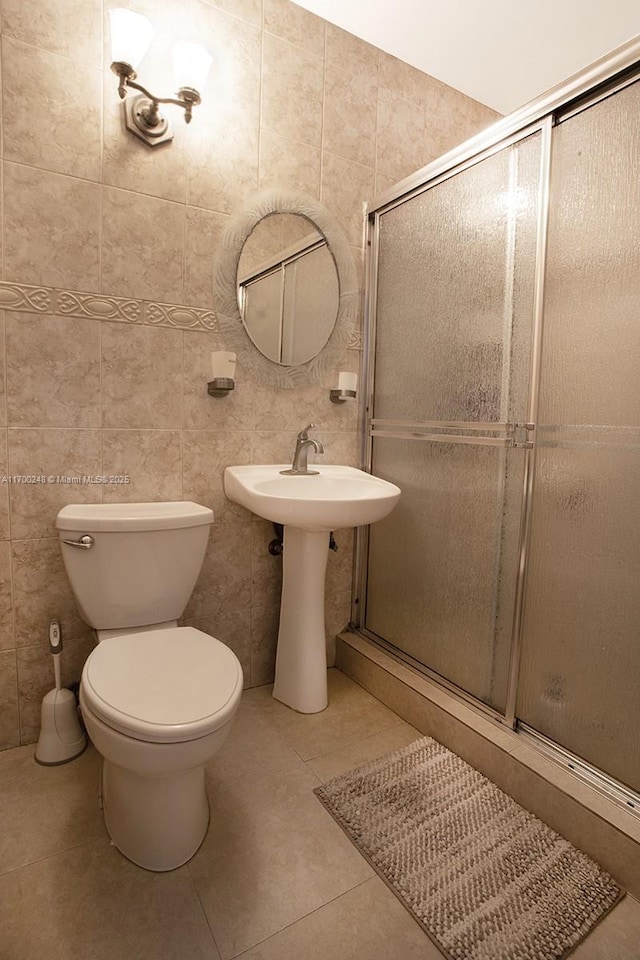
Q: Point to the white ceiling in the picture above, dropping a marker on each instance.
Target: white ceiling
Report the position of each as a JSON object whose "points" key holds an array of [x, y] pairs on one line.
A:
{"points": [[501, 52]]}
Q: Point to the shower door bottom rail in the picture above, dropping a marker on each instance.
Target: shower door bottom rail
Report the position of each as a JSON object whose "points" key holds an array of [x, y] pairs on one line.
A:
{"points": [[609, 787]]}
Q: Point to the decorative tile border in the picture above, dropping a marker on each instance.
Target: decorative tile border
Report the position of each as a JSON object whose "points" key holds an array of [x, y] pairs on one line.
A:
{"points": [[25, 298], [19, 296], [173, 315], [71, 304]]}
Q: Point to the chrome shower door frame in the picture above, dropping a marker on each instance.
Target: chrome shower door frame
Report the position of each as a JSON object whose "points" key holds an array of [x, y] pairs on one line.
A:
{"points": [[599, 80]]}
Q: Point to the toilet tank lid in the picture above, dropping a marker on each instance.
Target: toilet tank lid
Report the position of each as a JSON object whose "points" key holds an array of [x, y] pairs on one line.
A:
{"points": [[133, 516]]}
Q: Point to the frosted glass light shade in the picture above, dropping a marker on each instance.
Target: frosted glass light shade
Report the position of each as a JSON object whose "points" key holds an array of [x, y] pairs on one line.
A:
{"points": [[131, 36], [191, 65]]}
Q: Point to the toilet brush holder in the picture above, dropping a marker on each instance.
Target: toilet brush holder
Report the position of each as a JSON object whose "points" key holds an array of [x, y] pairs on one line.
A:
{"points": [[61, 736]]}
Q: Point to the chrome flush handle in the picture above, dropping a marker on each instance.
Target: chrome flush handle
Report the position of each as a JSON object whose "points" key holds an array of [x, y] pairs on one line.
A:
{"points": [[85, 542]]}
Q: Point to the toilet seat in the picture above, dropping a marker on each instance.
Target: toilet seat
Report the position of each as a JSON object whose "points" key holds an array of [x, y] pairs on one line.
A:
{"points": [[163, 686]]}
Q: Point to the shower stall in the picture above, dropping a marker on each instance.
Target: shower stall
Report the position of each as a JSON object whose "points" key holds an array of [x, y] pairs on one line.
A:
{"points": [[503, 370]]}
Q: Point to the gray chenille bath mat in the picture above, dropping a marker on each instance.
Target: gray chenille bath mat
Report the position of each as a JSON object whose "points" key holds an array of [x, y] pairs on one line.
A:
{"points": [[486, 879]]}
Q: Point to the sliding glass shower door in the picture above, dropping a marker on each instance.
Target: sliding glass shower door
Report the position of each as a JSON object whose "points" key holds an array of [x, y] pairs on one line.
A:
{"points": [[454, 318], [505, 402], [580, 667]]}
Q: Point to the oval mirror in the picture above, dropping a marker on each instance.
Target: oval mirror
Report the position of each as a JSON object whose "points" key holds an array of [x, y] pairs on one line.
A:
{"points": [[288, 288], [285, 288]]}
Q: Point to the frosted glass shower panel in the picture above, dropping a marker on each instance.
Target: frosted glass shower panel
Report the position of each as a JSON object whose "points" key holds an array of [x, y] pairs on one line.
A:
{"points": [[455, 293], [442, 567], [580, 668]]}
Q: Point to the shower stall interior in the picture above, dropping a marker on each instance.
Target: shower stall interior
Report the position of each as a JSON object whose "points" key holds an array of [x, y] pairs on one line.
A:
{"points": [[503, 352]]}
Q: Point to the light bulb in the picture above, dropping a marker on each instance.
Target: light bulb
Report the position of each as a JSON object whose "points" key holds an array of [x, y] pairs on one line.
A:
{"points": [[131, 36], [191, 65]]}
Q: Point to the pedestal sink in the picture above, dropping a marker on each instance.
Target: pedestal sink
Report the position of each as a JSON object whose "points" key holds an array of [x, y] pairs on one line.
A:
{"points": [[309, 507]]}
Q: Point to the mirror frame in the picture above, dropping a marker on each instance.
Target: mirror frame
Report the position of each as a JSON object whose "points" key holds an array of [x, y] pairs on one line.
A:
{"points": [[235, 337]]}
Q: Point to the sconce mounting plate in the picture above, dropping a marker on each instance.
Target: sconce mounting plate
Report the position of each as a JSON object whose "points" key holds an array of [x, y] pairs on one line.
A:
{"points": [[134, 108]]}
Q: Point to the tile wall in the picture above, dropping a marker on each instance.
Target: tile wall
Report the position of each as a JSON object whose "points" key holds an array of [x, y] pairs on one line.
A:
{"points": [[108, 324]]}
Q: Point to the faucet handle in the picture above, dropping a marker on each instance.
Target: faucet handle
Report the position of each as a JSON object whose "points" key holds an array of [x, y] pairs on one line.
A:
{"points": [[303, 435]]}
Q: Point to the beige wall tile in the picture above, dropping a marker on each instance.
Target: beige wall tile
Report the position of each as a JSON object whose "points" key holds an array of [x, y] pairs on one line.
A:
{"points": [[340, 448], [232, 90], [72, 28], [51, 229], [224, 585], [58, 455], [206, 454], [266, 569], [202, 246], [223, 179], [337, 617], [403, 80], [130, 164], [141, 376], [265, 620], [9, 721], [273, 409], [287, 162], [142, 246], [346, 187], [351, 95], [343, 48], [286, 69], [61, 129], [340, 563], [5, 483], [41, 592], [249, 10], [48, 383], [274, 446], [402, 136], [151, 459], [7, 631], [295, 24], [3, 373], [202, 412]]}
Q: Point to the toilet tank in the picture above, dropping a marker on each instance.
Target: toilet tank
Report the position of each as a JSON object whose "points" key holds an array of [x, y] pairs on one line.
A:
{"points": [[143, 564]]}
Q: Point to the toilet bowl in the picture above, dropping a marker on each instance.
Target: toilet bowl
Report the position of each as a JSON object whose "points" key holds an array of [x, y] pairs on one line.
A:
{"points": [[158, 700]]}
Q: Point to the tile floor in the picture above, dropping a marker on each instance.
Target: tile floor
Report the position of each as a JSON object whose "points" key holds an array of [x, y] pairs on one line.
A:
{"points": [[275, 879]]}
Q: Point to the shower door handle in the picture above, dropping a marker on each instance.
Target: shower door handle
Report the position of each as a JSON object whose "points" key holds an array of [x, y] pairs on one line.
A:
{"points": [[85, 542]]}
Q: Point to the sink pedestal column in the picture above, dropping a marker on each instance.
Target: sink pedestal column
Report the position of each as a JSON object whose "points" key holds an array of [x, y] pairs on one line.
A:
{"points": [[301, 659]]}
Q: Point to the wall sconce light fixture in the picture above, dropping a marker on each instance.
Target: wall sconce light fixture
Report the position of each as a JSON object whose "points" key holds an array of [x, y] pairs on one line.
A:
{"points": [[347, 387], [131, 36], [223, 369]]}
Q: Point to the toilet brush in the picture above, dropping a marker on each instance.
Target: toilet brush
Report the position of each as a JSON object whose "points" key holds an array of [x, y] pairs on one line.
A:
{"points": [[61, 736]]}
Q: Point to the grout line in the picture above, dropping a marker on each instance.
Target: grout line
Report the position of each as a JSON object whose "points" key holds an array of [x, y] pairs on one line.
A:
{"points": [[323, 116], [201, 904], [56, 853], [304, 916]]}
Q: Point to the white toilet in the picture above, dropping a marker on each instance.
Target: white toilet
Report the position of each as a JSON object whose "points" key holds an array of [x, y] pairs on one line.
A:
{"points": [[158, 700]]}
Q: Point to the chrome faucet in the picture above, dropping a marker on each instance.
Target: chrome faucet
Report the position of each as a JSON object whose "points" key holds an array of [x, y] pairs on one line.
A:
{"points": [[299, 466]]}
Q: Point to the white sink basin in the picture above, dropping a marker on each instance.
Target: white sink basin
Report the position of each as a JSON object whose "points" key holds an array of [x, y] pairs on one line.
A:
{"points": [[335, 497], [308, 507]]}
